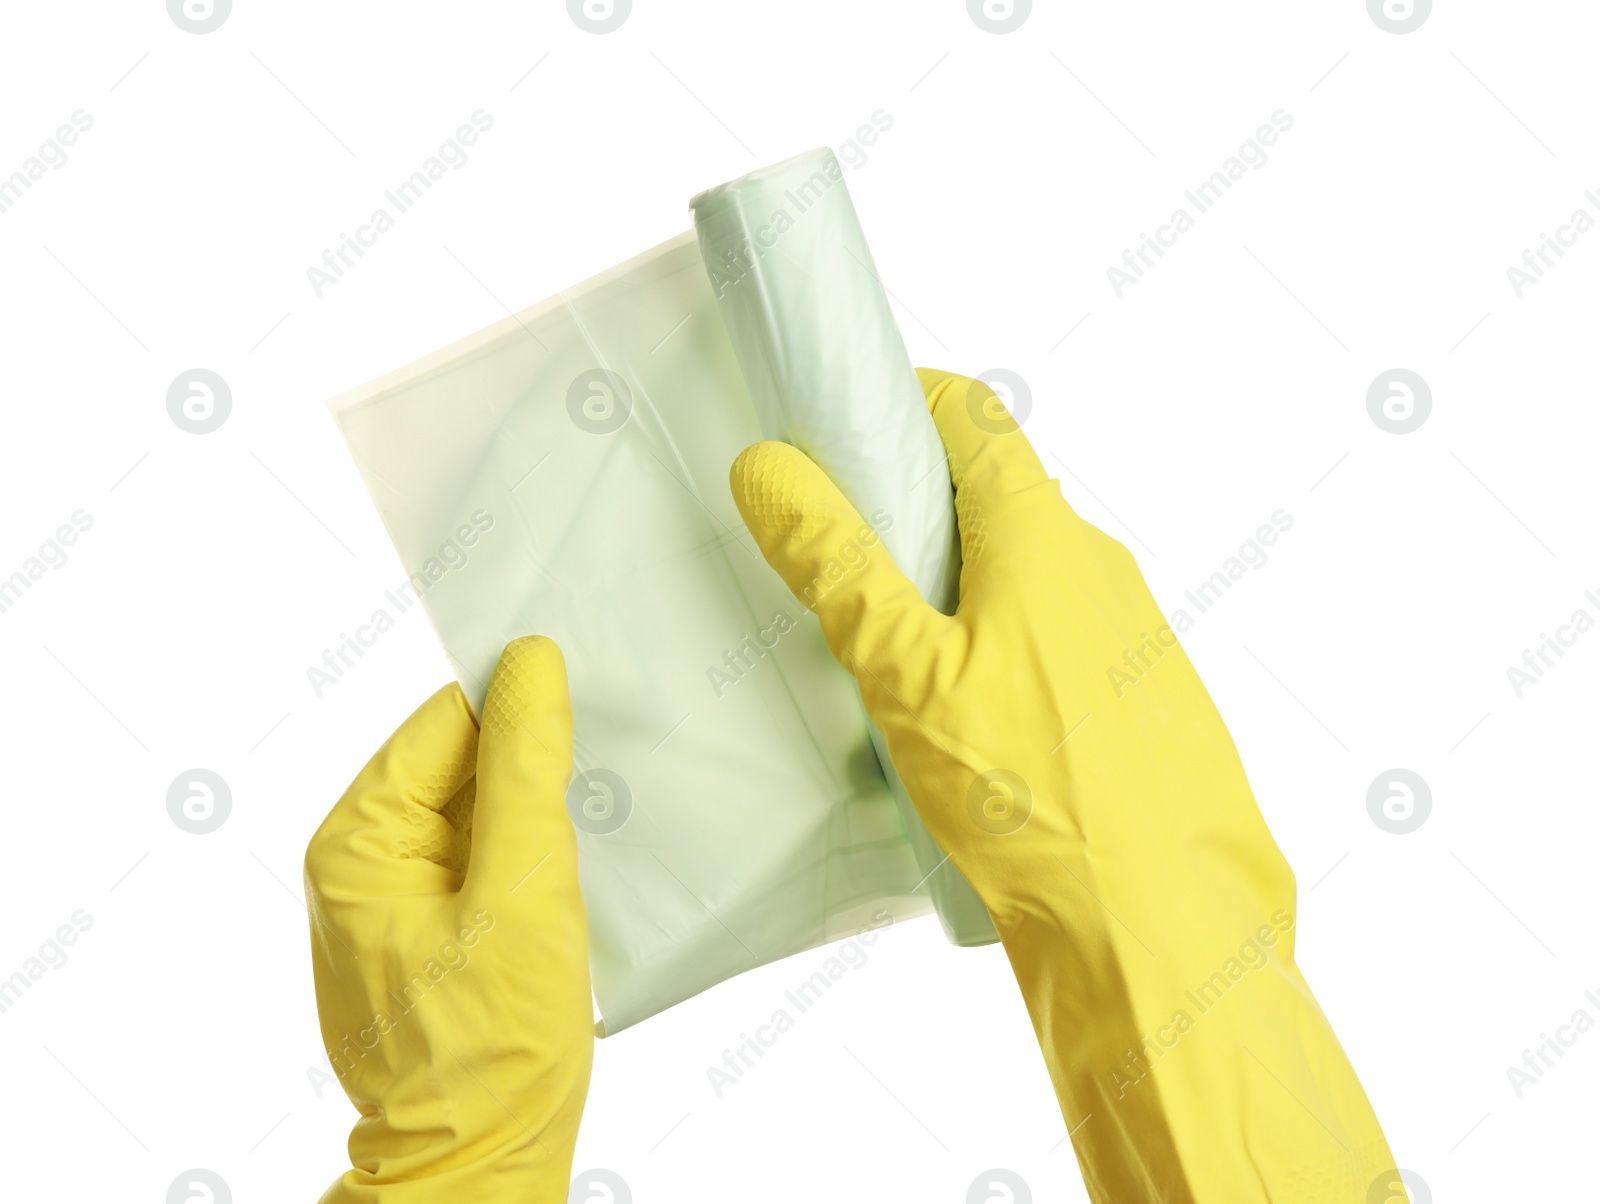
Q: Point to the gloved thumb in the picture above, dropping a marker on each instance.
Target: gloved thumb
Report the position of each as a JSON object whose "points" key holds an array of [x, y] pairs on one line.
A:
{"points": [[521, 824], [835, 564]]}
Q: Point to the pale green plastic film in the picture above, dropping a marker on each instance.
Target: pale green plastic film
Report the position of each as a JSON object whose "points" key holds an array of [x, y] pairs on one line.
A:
{"points": [[565, 472], [828, 372]]}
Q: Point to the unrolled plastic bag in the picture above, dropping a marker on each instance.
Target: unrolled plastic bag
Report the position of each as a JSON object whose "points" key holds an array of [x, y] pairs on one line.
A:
{"points": [[565, 472]]}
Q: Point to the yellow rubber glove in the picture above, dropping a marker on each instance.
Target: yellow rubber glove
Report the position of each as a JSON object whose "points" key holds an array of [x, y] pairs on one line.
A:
{"points": [[1059, 745], [454, 997]]}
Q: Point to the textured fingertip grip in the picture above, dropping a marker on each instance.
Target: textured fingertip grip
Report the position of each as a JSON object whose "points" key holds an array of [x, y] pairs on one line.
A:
{"points": [[519, 683], [772, 493]]}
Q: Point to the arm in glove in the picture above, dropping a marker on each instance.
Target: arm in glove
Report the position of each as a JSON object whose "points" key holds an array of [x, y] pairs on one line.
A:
{"points": [[450, 950], [1059, 745]]}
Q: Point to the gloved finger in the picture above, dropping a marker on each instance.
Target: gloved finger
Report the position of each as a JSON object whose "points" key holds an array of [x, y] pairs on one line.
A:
{"points": [[523, 847], [989, 454], [834, 562], [386, 834]]}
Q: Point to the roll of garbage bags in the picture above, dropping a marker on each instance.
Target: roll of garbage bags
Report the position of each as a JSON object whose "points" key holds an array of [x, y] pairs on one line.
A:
{"points": [[828, 372], [564, 472]]}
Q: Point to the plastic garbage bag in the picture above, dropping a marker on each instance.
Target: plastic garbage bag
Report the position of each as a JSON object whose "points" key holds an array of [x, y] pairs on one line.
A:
{"points": [[565, 472], [828, 372]]}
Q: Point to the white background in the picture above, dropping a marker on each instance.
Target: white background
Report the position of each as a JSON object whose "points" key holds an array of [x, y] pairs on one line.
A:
{"points": [[1228, 383]]}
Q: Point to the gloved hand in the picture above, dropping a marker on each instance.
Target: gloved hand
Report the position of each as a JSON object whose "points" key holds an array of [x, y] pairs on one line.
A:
{"points": [[450, 950], [1060, 748]]}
